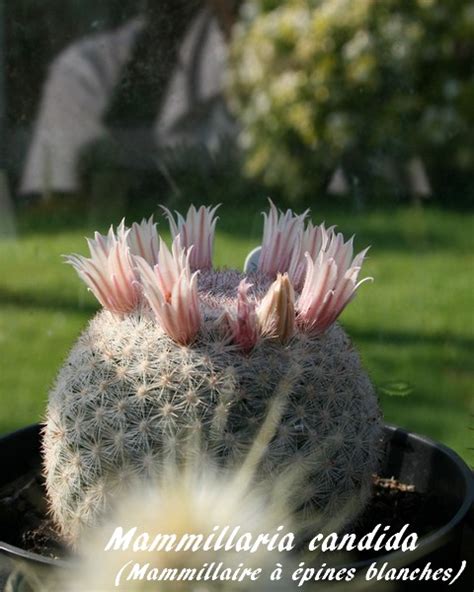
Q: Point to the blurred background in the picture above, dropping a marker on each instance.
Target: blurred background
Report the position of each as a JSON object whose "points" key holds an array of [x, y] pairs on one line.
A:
{"points": [[363, 111]]}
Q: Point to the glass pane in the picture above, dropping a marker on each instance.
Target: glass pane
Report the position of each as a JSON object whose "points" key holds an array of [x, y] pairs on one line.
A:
{"points": [[361, 111]]}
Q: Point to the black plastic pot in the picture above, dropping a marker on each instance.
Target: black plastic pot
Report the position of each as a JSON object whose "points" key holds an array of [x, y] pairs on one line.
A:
{"points": [[431, 467]]}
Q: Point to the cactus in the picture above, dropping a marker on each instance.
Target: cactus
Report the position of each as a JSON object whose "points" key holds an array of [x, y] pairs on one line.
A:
{"points": [[187, 361]]}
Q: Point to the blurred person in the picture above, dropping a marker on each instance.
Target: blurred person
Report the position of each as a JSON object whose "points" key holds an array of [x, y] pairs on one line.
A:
{"points": [[159, 75]]}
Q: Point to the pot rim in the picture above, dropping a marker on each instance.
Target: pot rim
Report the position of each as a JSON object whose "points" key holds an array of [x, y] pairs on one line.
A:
{"points": [[426, 544]]}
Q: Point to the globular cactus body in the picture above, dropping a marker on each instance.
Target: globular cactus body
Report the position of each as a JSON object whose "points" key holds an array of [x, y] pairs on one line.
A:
{"points": [[135, 395]]}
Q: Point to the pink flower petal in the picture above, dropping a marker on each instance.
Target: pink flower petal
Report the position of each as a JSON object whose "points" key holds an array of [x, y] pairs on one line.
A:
{"points": [[197, 231], [282, 234], [142, 239], [330, 284], [109, 272], [243, 324], [171, 291]]}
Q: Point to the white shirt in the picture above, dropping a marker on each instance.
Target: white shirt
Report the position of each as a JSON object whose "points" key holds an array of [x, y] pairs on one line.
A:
{"points": [[81, 82]]}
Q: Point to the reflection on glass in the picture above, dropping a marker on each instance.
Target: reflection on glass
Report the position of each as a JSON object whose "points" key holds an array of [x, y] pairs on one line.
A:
{"points": [[155, 81]]}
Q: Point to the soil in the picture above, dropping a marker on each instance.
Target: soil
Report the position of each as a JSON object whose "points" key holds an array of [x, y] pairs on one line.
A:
{"points": [[24, 517], [26, 524], [396, 504]]}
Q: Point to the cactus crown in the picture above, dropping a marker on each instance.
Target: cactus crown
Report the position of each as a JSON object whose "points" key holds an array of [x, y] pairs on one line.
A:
{"points": [[306, 276]]}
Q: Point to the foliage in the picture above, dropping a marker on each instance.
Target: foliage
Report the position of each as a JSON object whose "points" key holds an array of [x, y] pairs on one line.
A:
{"points": [[366, 84]]}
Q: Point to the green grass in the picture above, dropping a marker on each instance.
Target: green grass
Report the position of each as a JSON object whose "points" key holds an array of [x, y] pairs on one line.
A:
{"points": [[413, 325]]}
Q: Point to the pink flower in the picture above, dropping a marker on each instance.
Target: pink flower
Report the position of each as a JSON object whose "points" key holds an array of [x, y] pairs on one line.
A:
{"points": [[243, 326], [314, 240], [109, 272], [170, 265], [196, 231], [276, 312], [330, 284], [142, 239], [171, 291], [282, 234]]}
